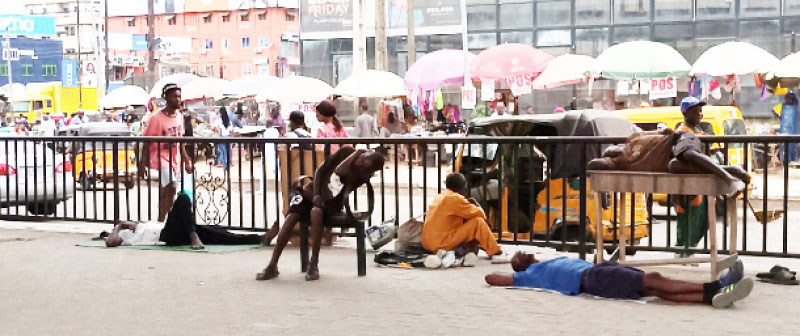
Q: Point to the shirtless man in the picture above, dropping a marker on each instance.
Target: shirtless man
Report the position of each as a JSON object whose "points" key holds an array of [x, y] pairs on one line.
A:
{"points": [[325, 197]]}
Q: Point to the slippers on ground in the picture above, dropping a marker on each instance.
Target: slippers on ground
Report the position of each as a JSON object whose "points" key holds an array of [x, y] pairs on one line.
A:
{"points": [[781, 277], [773, 270], [102, 236]]}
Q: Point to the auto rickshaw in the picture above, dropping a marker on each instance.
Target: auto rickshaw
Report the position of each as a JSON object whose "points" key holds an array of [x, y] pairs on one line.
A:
{"points": [[524, 184], [94, 160]]}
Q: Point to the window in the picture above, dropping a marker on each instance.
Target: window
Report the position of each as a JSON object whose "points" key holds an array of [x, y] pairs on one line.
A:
{"points": [[48, 70], [4, 69], [516, 15], [244, 17], [288, 48], [589, 12], [553, 13], [482, 17], [245, 42], [759, 8], [247, 69], [715, 9], [552, 38], [172, 20], [631, 33], [591, 41], [438, 42], [131, 22], [524, 37], [209, 44], [262, 16], [715, 29], [673, 10], [290, 16], [481, 41], [207, 18], [631, 10], [791, 7], [209, 70], [673, 32], [224, 43], [226, 18], [71, 30], [27, 69], [263, 42]]}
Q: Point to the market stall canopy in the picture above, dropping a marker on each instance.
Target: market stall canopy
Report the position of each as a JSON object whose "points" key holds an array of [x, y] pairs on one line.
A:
{"points": [[207, 87], [372, 84], [564, 70], [295, 89], [124, 96], [508, 60], [438, 69], [246, 86], [785, 72], [15, 89], [640, 60], [733, 58], [179, 79]]}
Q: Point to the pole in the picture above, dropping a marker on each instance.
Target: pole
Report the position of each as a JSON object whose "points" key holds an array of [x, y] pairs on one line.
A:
{"points": [[80, 66], [105, 53], [380, 35], [8, 65], [151, 56], [357, 36], [411, 39]]}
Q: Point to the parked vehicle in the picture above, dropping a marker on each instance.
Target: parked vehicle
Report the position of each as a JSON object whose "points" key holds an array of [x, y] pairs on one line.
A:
{"points": [[94, 160], [33, 176], [51, 97], [526, 192]]}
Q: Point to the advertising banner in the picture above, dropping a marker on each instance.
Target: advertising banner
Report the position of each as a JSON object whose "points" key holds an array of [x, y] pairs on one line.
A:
{"points": [[326, 15], [427, 13], [663, 88], [468, 97], [69, 73], [27, 25]]}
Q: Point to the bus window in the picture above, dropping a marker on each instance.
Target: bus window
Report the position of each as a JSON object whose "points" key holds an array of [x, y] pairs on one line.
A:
{"points": [[49, 103], [38, 105], [734, 127]]}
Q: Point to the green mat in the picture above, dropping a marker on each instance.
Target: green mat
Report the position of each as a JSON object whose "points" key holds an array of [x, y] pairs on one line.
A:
{"points": [[209, 248]]}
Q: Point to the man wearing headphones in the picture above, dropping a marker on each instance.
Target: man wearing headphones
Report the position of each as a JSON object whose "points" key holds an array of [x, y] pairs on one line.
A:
{"points": [[166, 157]]}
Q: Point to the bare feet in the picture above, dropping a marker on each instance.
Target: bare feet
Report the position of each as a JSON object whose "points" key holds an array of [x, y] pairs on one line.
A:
{"points": [[313, 273], [271, 272], [196, 243]]}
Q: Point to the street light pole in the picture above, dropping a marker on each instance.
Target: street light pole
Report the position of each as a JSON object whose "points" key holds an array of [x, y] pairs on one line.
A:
{"points": [[8, 66], [80, 66], [105, 31]]}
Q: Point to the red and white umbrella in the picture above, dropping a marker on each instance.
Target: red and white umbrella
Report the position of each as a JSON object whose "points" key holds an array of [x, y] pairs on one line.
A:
{"points": [[509, 60], [564, 70]]}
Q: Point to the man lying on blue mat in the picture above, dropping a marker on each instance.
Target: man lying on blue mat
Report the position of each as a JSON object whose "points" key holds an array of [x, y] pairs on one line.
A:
{"points": [[180, 229], [611, 280]]}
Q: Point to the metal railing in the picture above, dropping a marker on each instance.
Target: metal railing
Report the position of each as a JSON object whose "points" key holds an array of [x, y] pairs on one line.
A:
{"points": [[96, 179]]}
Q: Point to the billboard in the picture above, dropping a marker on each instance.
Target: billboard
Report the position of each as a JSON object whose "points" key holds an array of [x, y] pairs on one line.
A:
{"points": [[27, 25], [326, 15], [427, 13], [69, 73]]}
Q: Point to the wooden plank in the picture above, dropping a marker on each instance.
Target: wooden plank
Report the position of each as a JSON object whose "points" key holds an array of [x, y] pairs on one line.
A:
{"points": [[712, 235], [598, 232], [648, 182], [671, 261], [733, 226], [622, 231]]}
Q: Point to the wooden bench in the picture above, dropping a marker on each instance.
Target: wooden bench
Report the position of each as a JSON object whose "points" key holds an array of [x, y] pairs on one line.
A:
{"points": [[675, 184]]}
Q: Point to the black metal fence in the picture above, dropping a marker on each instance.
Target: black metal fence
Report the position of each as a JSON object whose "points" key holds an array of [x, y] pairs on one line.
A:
{"points": [[98, 179]]}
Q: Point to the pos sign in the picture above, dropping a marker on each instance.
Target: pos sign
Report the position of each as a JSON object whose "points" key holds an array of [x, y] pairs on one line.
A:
{"points": [[663, 88]]}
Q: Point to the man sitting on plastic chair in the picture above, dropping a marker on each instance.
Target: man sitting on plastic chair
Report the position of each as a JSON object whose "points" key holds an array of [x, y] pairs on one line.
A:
{"points": [[346, 170]]}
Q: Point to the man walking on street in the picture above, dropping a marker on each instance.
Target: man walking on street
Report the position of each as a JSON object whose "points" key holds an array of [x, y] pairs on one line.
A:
{"points": [[166, 157], [365, 124], [78, 119]]}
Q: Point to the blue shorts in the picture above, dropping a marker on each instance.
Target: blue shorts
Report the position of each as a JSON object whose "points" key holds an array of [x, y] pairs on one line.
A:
{"points": [[614, 281]]}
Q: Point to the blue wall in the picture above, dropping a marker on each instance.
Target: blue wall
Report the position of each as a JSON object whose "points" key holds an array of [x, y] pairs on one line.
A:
{"points": [[47, 51]]}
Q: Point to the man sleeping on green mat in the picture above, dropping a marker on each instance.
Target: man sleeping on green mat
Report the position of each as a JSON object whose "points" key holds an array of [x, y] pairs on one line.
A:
{"points": [[180, 229]]}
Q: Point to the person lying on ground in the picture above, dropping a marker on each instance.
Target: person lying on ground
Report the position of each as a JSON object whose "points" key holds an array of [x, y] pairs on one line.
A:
{"points": [[611, 280], [453, 220], [316, 202], [667, 151], [180, 229]]}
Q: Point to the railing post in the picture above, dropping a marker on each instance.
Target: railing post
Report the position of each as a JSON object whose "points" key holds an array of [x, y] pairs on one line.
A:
{"points": [[582, 212], [115, 163]]}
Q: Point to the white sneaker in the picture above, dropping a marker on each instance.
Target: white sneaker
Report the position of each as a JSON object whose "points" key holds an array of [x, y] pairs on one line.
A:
{"points": [[432, 261], [470, 260], [449, 259], [503, 258], [441, 253]]}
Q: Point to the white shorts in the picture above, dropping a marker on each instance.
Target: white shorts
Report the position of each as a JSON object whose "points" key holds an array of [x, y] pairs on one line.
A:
{"points": [[168, 176]]}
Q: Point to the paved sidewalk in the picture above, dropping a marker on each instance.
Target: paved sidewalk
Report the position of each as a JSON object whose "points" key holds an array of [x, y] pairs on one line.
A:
{"points": [[50, 286]]}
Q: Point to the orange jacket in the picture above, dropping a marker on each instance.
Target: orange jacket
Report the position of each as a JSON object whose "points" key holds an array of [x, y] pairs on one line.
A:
{"points": [[448, 211]]}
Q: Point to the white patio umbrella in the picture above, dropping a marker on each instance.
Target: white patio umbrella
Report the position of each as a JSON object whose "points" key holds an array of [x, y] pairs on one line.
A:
{"points": [[207, 87], [785, 72], [14, 89], [372, 84], [124, 96], [564, 70], [733, 58], [640, 60], [246, 86], [179, 79], [295, 89]]}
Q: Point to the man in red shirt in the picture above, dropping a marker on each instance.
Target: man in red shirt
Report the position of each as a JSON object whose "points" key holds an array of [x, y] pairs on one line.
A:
{"points": [[166, 157]]}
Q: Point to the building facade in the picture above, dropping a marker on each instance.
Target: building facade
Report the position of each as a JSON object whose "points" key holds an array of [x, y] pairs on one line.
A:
{"points": [[79, 34], [588, 27], [39, 60], [218, 43]]}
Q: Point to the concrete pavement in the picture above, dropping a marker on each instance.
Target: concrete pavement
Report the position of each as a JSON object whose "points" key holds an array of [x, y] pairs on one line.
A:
{"points": [[50, 286]]}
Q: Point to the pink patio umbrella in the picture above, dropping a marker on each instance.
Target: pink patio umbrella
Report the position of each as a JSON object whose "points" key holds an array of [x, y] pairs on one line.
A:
{"points": [[564, 70], [438, 69], [509, 60]]}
